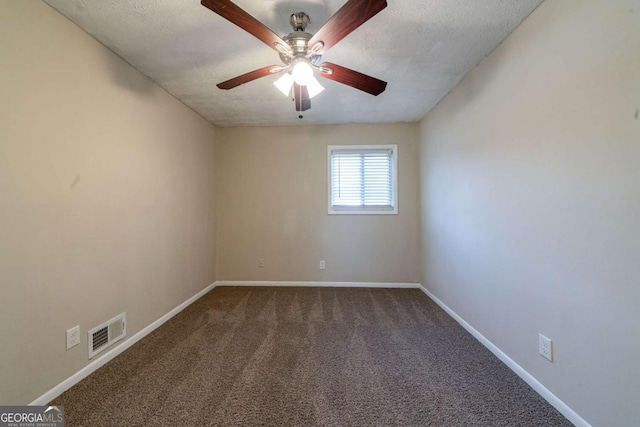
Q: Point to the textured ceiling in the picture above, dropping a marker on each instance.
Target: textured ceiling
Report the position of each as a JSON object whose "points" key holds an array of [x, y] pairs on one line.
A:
{"points": [[421, 48]]}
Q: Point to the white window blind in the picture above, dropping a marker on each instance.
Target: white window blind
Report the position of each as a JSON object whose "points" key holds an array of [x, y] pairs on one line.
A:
{"points": [[362, 179]]}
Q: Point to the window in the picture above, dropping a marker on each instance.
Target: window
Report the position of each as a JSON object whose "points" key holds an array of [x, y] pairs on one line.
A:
{"points": [[363, 179]]}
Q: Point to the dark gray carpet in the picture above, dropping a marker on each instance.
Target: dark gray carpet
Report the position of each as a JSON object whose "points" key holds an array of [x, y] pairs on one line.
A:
{"points": [[307, 357]]}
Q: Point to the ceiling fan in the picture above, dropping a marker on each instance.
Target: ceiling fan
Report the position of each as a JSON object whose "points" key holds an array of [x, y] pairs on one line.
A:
{"points": [[301, 52]]}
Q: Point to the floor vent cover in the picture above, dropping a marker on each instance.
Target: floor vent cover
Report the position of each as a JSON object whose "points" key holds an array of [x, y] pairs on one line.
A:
{"points": [[106, 334]]}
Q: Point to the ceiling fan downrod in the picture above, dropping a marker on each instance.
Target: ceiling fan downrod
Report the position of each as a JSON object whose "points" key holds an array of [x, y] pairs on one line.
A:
{"points": [[299, 21]]}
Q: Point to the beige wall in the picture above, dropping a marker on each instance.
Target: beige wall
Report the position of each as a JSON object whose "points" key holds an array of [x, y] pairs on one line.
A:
{"points": [[106, 197], [530, 175], [272, 204]]}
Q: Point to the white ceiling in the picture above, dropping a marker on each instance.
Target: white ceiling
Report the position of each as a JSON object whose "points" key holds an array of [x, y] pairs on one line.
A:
{"points": [[422, 48]]}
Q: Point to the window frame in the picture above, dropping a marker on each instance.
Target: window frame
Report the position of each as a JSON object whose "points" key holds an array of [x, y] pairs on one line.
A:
{"points": [[363, 210]]}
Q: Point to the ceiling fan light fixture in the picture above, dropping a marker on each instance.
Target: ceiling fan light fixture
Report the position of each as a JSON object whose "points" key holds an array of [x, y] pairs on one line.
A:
{"points": [[284, 84], [302, 71]]}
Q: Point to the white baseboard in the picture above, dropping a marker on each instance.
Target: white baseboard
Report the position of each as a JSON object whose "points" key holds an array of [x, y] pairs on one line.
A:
{"points": [[110, 354], [319, 284], [565, 410]]}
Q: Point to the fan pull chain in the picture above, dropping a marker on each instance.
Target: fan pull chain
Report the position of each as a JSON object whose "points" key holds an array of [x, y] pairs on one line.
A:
{"points": [[300, 116]]}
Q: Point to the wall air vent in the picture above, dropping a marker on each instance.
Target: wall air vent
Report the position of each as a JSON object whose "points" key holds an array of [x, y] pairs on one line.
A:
{"points": [[101, 337]]}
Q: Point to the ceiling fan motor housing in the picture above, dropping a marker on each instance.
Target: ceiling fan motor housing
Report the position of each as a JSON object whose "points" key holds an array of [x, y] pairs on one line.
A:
{"points": [[298, 40]]}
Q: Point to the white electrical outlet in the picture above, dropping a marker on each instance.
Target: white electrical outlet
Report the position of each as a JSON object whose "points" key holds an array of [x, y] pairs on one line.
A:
{"points": [[323, 265], [261, 262], [545, 347], [73, 337]]}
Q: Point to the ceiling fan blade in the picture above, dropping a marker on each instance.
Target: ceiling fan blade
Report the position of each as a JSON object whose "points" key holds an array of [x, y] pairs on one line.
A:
{"points": [[350, 16], [250, 76], [301, 95], [231, 12], [353, 78]]}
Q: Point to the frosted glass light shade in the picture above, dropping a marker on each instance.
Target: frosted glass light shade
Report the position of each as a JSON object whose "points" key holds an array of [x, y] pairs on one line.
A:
{"points": [[314, 87], [284, 84]]}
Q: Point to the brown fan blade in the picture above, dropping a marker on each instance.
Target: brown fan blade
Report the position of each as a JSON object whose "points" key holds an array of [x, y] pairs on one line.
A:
{"points": [[354, 79], [301, 95], [231, 12], [350, 16], [248, 77]]}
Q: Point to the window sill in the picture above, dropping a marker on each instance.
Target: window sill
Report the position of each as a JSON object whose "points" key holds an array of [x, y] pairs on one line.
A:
{"points": [[346, 211]]}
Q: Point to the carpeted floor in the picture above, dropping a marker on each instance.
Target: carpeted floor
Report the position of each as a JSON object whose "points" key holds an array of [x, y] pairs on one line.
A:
{"points": [[307, 357]]}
